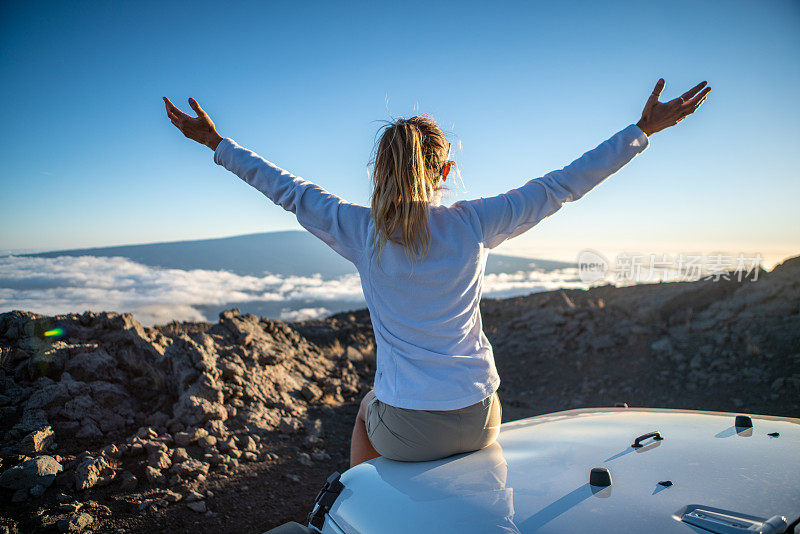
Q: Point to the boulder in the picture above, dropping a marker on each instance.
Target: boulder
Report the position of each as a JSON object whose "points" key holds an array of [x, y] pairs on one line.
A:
{"points": [[207, 387], [81, 407], [171, 496], [154, 475], [152, 446], [146, 433], [182, 439], [114, 451], [75, 523], [232, 464], [197, 506], [55, 393], [41, 470], [207, 442], [311, 392], [227, 445], [214, 458], [179, 455], [353, 354], [160, 460], [92, 470], [193, 496], [148, 505], [194, 410], [231, 369], [247, 444], [189, 468], [217, 428], [37, 441], [111, 422], [69, 507]]}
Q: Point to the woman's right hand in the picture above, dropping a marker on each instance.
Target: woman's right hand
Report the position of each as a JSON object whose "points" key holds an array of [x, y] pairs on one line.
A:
{"points": [[200, 128], [657, 115]]}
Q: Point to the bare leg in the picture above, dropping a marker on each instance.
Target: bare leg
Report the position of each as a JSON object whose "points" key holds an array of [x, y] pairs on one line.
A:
{"points": [[361, 449]]}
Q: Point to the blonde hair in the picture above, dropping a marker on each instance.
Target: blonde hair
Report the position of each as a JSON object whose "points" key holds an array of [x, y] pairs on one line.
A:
{"points": [[407, 166]]}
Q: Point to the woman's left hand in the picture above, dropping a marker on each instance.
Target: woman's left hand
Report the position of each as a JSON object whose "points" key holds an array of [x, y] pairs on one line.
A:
{"points": [[200, 128], [657, 115]]}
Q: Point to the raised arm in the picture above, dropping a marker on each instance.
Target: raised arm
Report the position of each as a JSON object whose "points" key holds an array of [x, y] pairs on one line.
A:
{"points": [[512, 213], [340, 224]]}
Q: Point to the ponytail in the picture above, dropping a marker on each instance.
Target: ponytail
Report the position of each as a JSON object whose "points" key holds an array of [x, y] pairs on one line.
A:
{"points": [[410, 154]]}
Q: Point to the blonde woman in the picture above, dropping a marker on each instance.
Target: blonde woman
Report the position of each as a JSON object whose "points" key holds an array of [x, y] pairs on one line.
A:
{"points": [[422, 267]]}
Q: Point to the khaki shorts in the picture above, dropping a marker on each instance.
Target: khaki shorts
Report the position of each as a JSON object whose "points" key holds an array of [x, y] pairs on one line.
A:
{"points": [[422, 435]]}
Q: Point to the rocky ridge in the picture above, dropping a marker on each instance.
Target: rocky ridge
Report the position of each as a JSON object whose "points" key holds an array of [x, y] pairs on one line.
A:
{"points": [[98, 400]]}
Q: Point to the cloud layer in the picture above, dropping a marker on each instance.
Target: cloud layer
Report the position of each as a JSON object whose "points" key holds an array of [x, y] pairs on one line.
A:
{"points": [[67, 284]]}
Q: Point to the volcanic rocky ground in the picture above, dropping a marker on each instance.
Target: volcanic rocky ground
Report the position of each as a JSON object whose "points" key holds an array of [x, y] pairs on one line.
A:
{"points": [[108, 426]]}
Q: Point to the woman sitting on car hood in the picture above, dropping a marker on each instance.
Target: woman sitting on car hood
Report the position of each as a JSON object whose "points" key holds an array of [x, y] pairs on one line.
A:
{"points": [[422, 267]]}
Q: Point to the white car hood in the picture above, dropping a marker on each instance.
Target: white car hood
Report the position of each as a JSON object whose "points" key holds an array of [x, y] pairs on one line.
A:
{"points": [[536, 477]]}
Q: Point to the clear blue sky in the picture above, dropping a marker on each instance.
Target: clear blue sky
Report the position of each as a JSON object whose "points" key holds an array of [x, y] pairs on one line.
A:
{"points": [[90, 159]]}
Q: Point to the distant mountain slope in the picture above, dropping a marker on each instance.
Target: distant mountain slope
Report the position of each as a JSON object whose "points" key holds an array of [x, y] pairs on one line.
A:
{"points": [[291, 252]]}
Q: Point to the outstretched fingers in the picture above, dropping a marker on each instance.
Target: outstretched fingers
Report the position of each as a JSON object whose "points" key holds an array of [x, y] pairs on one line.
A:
{"points": [[695, 102], [683, 102], [693, 91], [653, 100], [175, 120], [196, 107], [659, 87], [688, 110], [172, 108]]}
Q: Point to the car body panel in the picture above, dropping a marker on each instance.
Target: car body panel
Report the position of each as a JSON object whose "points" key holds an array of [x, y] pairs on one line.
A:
{"points": [[535, 478]]}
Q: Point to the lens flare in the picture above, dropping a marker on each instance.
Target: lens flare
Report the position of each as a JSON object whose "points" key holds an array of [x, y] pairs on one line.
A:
{"points": [[55, 332]]}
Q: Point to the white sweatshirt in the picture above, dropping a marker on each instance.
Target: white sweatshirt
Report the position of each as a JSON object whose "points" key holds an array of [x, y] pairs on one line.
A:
{"points": [[432, 353]]}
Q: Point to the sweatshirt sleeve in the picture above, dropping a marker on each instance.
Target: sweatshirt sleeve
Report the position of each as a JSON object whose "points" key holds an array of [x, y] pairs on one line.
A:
{"points": [[510, 214], [340, 224]]}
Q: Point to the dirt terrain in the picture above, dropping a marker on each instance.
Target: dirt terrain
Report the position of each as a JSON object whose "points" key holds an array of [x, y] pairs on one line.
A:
{"points": [[107, 426]]}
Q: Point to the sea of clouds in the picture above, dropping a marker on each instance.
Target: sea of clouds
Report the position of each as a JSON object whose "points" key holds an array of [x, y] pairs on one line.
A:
{"points": [[74, 284]]}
